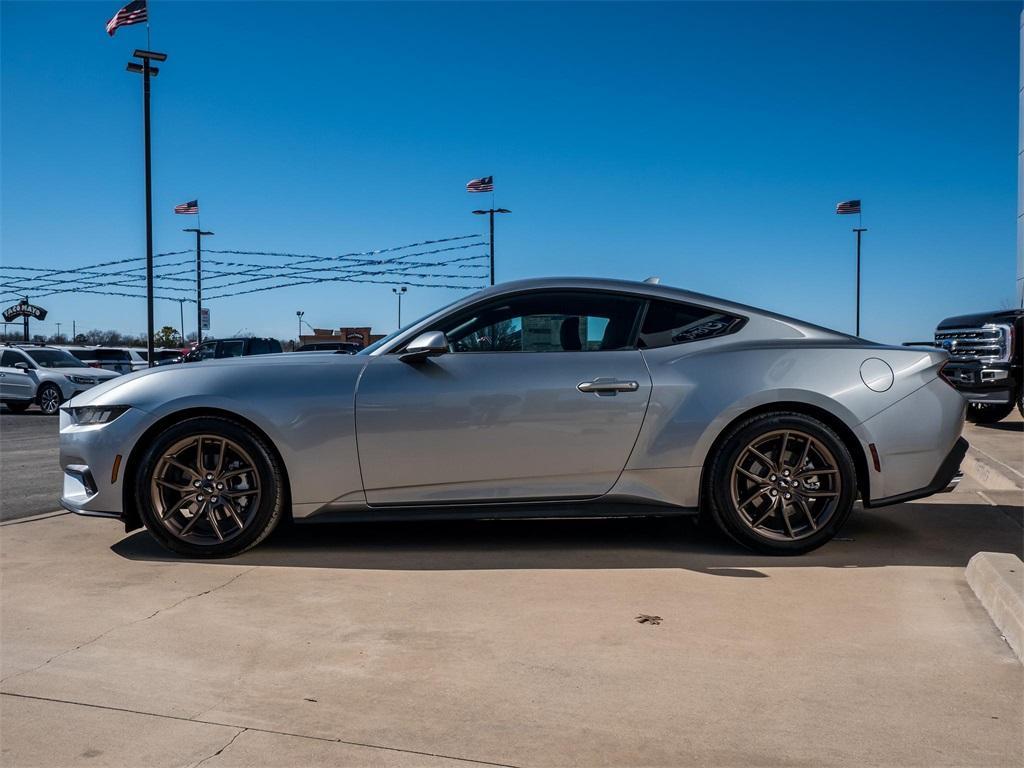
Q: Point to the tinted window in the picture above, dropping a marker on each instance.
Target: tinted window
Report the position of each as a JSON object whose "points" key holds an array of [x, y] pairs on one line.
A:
{"points": [[10, 357], [546, 322], [205, 351], [54, 358], [82, 354], [112, 355], [668, 323], [231, 349]]}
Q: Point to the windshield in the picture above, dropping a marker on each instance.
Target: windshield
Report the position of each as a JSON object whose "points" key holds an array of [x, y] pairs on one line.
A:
{"points": [[54, 358], [381, 342]]}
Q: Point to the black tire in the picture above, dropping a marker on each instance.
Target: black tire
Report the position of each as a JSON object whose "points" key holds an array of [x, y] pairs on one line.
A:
{"points": [[262, 518], [1020, 401], [18, 406], [988, 414], [49, 398], [835, 464]]}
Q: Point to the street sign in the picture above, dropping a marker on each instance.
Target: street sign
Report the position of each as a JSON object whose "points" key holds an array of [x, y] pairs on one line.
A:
{"points": [[24, 309], [205, 315]]}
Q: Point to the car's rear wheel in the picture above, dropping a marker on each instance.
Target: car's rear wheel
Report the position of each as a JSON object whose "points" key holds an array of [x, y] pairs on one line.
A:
{"points": [[781, 483], [49, 398], [988, 414], [209, 487]]}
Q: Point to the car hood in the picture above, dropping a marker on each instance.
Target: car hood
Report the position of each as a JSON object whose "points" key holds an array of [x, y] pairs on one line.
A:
{"points": [[157, 385], [93, 373]]}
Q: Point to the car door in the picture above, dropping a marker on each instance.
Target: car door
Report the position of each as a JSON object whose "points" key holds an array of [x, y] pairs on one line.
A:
{"points": [[541, 396], [15, 384]]}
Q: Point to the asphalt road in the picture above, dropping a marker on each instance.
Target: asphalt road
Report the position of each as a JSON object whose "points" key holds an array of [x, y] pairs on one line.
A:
{"points": [[30, 476]]}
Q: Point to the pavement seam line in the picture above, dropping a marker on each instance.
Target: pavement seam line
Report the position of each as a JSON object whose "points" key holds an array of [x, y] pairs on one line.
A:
{"points": [[33, 519], [258, 730], [230, 742], [107, 631]]}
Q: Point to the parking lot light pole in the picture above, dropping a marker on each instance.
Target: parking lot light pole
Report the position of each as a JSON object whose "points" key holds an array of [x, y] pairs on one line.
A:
{"points": [[200, 234], [491, 212], [299, 313], [147, 71], [858, 230], [399, 292]]}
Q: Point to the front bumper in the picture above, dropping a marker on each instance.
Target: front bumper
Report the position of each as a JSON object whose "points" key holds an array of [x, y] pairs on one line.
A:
{"points": [[983, 383], [88, 454]]}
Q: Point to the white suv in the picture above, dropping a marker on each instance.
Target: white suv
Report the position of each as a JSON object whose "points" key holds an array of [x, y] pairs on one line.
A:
{"points": [[55, 377]]}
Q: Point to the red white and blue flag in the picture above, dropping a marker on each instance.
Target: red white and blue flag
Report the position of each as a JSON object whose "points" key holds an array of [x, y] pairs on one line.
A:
{"points": [[133, 13], [192, 206], [848, 206], [486, 184]]}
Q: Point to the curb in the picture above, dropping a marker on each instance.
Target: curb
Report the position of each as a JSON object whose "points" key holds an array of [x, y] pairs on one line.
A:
{"points": [[997, 579], [986, 473]]}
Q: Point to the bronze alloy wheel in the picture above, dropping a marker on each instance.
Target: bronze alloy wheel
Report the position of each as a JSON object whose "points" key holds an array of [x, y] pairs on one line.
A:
{"points": [[786, 485], [205, 489]]}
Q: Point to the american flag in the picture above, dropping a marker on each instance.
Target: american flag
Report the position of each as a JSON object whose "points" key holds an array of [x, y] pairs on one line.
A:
{"points": [[192, 206], [133, 13], [849, 206], [486, 184]]}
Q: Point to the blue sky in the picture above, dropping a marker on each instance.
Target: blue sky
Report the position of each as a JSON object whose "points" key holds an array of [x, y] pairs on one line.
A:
{"points": [[705, 143]]}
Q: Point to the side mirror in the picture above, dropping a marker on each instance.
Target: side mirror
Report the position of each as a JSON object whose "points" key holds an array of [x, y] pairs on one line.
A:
{"points": [[429, 344], [22, 366]]}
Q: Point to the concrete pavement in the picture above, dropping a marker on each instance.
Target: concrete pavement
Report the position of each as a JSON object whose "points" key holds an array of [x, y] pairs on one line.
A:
{"points": [[511, 643]]}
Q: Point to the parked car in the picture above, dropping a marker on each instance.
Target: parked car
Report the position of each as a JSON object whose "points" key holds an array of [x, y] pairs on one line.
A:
{"points": [[986, 361], [115, 359], [562, 397], [140, 357], [56, 376], [346, 347], [221, 348]]}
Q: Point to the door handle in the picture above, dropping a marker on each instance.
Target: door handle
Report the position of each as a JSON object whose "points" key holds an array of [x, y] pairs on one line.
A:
{"points": [[607, 386]]}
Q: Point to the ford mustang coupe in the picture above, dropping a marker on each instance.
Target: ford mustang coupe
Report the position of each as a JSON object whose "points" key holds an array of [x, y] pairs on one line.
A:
{"points": [[556, 397]]}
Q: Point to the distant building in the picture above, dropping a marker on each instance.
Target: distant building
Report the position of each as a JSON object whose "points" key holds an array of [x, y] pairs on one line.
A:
{"points": [[361, 335]]}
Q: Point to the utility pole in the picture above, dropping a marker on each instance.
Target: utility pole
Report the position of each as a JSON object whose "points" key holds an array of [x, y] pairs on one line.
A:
{"points": [[74, 332], [58, 333], [181, 319], [858, 231], [399, 292], [147, 70], [491, 212], [200, 234], [25, 319]]}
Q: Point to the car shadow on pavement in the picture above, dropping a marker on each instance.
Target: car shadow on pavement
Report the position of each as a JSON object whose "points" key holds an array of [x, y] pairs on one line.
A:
{"points": [[907, 534], [1004, 426]]}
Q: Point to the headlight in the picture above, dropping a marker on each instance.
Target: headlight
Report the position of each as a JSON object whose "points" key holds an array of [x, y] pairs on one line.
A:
{"points": [[97, 414], [82, 379]]}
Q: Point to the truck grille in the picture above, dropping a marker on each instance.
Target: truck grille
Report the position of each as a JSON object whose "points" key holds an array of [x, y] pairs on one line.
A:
{"points": [[988, 344]]}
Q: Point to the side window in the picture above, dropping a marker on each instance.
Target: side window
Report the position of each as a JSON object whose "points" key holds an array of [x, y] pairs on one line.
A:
{"points": [[10, 357], [207, 350], [668, 323], [82, 354], [260, 347], [231, 349], [546, 322], [112, 356]]}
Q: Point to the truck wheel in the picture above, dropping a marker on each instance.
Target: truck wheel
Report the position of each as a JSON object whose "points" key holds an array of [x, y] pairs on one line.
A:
{"points": [[988, 414]]}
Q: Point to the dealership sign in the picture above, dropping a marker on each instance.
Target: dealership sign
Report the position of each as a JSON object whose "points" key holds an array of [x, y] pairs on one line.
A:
{"points": [[24, 309]]}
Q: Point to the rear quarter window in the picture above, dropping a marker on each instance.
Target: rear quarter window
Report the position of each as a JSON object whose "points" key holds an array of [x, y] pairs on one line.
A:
{"points": [[668, 323]]}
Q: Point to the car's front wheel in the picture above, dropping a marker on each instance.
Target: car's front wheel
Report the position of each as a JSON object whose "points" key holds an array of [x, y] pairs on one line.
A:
{"points": [[209, 487], [49, 398], [781, 483]]}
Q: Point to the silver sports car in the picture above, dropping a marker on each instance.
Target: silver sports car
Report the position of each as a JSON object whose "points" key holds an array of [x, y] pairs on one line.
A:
{"points": [[561, 397]]}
